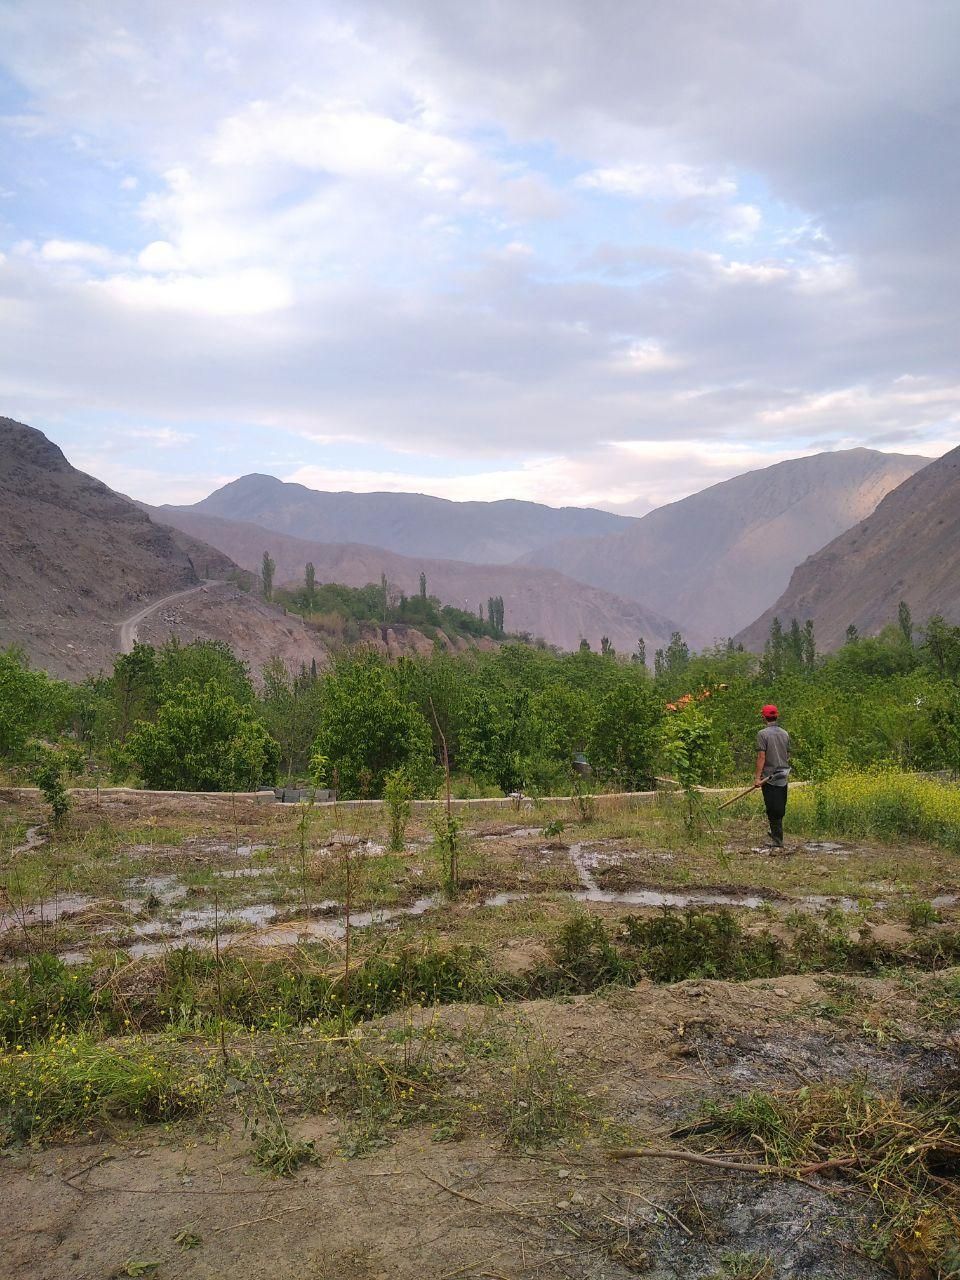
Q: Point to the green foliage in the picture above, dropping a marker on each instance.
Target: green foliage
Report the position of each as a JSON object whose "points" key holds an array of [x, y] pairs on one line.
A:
{"points": [[585, 955], [49, 778], [398, 797], [375, 603], [367, 730], [691, 748], [448, 847], [32, 705], [622, 738], [886, 805], [700, 944], [204, 740], [72, 1081]]}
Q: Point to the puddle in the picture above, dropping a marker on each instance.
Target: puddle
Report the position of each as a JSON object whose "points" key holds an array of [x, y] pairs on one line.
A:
{"points": [[45, 913], [519, 833], [240, 873], [166, 888], [585, 862], [33, 838]]}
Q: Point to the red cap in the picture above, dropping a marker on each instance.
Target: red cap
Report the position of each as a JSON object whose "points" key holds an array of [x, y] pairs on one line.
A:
{"points": [[769, 712]]}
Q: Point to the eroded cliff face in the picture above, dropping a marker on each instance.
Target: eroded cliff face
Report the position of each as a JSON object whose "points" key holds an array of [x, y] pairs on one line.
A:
{"points": [[76, 559], [907, 549]]}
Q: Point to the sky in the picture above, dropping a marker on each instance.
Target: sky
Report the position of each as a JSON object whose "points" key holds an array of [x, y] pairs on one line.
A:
{"points": [[599, 253]]}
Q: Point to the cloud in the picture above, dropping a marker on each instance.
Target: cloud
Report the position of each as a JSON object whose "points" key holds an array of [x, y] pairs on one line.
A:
{"points": [[670, 181], [490, 236]]}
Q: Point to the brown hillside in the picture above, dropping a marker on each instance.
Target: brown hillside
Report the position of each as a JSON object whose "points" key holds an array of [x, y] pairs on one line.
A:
{"points": [[908, 549], [540, 601], [714, 560], [76, 559]]}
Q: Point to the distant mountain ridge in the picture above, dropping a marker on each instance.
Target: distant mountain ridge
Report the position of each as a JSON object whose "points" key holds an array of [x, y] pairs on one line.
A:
{"points": [[907, 549], [540, 601], [411, 524], [716, 559]]}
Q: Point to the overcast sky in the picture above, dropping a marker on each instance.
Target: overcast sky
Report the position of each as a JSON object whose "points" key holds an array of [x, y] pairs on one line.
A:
{"points": [[601, 252]]}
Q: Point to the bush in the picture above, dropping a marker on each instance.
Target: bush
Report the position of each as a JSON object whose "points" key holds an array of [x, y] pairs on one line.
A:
{"points": [[398, 796], [701, 944], [204, 741]]}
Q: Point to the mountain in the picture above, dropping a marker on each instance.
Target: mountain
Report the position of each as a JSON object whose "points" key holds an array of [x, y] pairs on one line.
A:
{"points": [[540, 601], [716, 559], [410, 524], [907, 549], [76, 559]]}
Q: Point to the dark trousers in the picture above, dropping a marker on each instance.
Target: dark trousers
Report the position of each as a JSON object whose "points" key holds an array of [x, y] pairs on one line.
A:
{"points": [[775, 802]]}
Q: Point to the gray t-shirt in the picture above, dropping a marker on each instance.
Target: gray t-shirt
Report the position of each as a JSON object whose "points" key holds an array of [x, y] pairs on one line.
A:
{"points": [[775, 742]]}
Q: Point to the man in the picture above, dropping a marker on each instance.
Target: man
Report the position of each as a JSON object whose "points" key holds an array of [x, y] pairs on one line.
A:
{"points": [[773, 769]]}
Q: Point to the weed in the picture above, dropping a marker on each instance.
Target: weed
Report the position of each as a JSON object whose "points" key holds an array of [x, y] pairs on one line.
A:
{"points": [[921, 913], [540, 1105], [744, 1266], [398, 802], [701, 944], [886, 805], [554, 829], [585, 956], [73, 1081], [904, 1155]]}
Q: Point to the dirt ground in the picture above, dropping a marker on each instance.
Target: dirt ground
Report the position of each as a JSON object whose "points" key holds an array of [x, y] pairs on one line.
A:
{"points": [[184, 1199]]}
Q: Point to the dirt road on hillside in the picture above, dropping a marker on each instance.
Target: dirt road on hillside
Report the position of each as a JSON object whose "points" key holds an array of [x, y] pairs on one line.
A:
{"points": [[129, 628]]}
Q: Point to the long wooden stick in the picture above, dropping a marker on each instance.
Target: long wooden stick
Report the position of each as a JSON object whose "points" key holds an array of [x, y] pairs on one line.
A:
{"points": [[742, 794]]}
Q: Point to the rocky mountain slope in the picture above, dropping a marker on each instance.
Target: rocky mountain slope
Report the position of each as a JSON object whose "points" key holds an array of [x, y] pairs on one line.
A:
{"points": [[411, 524], [540, 601], [716, 559], [77, 558], [907, 549]]}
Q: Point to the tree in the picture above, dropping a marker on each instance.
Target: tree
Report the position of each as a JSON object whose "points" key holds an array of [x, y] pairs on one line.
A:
{"points": [[310, 584], [423, 585], [641, 653], [135, 685], [495, 614], [622, 735], [676, 656], [202, 662], [794, 645], [774, 652], [606, 648], [852, 635], [905, 622], [204, 740], [584, 646], [267, 569], [809, 645], [941, 647], [31, 704], [366, 730]]}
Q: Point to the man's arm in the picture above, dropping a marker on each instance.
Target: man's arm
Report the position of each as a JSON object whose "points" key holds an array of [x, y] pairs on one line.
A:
{"points": [[761, 761]]}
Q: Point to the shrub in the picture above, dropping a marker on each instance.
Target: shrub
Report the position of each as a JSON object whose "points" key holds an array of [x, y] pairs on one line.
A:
{"points": [[397, 796], [204, 741]]}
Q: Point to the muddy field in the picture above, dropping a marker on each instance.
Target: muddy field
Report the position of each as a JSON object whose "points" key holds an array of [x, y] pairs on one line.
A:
{"points": [[259, 1081]]}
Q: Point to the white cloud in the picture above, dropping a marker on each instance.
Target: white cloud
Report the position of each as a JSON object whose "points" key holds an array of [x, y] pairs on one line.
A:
{"points": [[76, 251], [667, 181], [238, 293]]}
